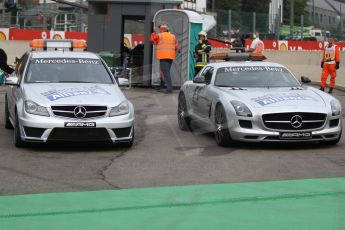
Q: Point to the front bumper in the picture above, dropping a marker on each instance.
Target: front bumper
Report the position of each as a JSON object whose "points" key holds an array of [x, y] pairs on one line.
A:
{"points": [[42, 129], [259, 133]]}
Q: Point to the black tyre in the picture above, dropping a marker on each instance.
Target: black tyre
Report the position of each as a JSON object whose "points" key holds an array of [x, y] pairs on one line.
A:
{"points": [[8, 124], [18, 142], [182, 114], [221, 133]]}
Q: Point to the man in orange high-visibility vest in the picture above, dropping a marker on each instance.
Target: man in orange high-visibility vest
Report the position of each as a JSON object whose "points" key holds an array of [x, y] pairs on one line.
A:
{"points": [[329, 64], [166, 47]]}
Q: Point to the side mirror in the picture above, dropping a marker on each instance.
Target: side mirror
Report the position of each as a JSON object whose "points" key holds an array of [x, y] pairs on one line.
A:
{"points": [[199, 80], [12, 81], [122, 81], [305, 80]]}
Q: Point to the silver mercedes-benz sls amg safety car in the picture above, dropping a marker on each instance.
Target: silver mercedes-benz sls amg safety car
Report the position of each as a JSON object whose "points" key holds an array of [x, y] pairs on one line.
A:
{"points": [[256, 101], [58, 95]]}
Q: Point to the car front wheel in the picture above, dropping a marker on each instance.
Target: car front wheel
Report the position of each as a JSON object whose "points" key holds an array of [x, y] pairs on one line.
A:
{"points": [[18, 142], [182, 113], [8, 124], [221, 133]]}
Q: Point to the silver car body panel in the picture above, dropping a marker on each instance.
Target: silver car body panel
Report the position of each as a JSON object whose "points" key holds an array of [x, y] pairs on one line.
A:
{"points": [[67, 94], [202, 100]]}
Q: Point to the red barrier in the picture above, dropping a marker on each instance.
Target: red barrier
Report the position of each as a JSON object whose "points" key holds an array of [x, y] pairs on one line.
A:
{"points": [[23, 34], [135, 39], [76, 35]]}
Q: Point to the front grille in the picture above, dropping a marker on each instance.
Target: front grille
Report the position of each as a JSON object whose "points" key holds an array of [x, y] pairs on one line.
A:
{"points": [[284, 121], [71, 110], [79, 134], [277, 138], [33, 132], [122, 132]]}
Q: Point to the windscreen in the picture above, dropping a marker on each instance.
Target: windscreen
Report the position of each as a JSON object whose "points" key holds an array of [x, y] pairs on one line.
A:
{"points": [[255, 76], [67, 70]]}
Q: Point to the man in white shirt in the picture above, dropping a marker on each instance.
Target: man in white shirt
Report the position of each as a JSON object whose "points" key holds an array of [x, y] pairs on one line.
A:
{"points": [[257, 45]]}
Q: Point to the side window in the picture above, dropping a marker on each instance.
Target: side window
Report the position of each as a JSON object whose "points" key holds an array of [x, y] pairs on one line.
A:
{"points": [[21, 66], [208, 74]]}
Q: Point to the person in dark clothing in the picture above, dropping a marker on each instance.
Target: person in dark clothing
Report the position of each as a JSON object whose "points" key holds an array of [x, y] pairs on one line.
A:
{"points": [[201, 52], [243, 41], [3, 62]]}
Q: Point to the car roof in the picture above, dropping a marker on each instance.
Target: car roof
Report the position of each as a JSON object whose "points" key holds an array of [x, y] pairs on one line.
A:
{"points": [[244, 63], [63, 54]]}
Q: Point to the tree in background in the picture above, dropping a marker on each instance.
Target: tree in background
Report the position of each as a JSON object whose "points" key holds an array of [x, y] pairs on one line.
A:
{"points": [[299, 9], [228, 5], [261, 6], [242, 15]]}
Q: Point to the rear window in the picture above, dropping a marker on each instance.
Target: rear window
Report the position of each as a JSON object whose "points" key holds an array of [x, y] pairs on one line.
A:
{"points": [[67, 70]]}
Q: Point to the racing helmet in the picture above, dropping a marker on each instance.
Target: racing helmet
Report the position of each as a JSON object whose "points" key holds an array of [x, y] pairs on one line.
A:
{"points": [[203, 33]]}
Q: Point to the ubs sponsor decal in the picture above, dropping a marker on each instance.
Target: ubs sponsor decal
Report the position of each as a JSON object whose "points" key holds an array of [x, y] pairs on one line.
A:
{"points": [[54, 95], [274, 98]]}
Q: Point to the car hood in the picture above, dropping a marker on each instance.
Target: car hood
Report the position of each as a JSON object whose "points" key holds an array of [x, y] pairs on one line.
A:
{"points": [[71, 94], [277, 97]]}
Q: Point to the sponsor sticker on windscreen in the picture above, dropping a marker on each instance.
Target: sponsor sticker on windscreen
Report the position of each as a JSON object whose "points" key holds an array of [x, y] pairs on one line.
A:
{"points": [[87, 61], [250, 69]]}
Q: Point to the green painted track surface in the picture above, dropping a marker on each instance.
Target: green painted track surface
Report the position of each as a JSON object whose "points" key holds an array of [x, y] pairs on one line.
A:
{"points": [[296, 204]]}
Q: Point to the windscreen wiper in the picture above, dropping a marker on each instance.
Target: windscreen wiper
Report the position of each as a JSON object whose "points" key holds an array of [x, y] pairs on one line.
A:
{"points": [[225, 86], [76, 82]]}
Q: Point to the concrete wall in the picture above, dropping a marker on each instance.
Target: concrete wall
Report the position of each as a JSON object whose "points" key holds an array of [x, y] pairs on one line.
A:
{"points": [[301, 63], [14, 49], [306, 63]]}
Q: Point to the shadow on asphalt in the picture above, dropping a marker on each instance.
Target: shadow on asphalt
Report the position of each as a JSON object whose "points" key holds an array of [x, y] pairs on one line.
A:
{"points": [[71, 147]]}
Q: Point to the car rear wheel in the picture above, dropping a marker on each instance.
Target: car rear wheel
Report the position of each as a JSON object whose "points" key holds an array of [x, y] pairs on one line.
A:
{"points": [[184, 120], [8, 124], [221, 133], [18, 142]]}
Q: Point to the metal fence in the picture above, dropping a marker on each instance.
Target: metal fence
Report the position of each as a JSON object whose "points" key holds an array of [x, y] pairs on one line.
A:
{"points": [[231, 24], [58, 22], [45, 16]]}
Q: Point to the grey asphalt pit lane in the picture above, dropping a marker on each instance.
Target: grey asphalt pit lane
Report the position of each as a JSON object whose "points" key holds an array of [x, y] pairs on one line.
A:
{"points": [[205, 151], [213, 151]]}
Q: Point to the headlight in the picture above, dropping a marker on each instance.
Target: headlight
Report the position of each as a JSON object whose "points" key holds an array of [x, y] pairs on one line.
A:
{"points": [[121, 109], [336, 108], [241, 109], [33, 108]]}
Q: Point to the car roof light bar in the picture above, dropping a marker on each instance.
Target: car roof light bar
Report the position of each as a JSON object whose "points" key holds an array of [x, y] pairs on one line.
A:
{"points": [[230, 56], [58, 44]]}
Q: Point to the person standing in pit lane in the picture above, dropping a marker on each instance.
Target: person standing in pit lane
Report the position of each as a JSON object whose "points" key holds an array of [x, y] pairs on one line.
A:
{"points": [[166, 47], [257, 45], [201, 52], [329, 64], [3, 63]]}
